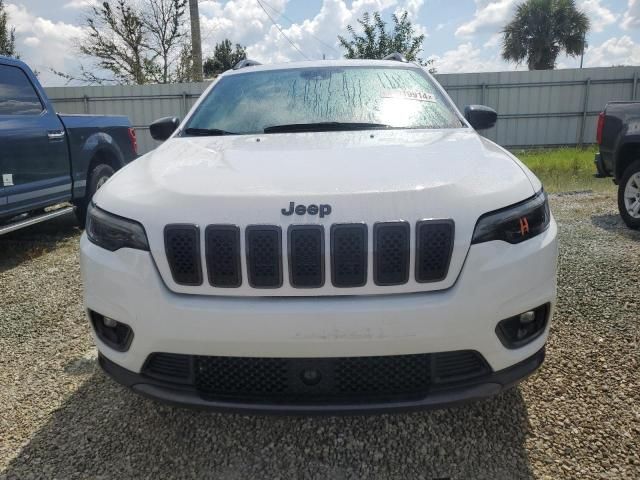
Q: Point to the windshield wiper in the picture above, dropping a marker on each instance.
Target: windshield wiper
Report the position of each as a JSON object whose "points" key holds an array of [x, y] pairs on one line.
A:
{"points": [[207, 132], [324, 127]]}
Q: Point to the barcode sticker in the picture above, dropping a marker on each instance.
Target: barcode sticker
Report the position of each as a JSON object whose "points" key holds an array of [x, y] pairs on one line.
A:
{"points": [[7, 179]]}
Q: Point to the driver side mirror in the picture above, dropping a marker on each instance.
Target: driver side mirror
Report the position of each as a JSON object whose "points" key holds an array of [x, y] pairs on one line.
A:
{"points": [[480, 117], [162, 128]]}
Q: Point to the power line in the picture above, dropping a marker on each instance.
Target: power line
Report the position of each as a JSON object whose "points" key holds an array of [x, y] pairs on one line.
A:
{"points": [[292, 22], [280, 29]]}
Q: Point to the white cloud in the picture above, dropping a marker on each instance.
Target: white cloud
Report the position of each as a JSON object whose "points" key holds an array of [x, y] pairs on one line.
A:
{"points": [[615, 51], [493, 15], [631, 18], [466, 58], [80, 4], [42, 43], [599, 15], [490, 15]]}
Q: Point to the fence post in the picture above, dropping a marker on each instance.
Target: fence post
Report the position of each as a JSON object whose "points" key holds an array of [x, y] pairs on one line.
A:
{"points": [[585, 105], [86, 104], [635, 85], [185, 110]]}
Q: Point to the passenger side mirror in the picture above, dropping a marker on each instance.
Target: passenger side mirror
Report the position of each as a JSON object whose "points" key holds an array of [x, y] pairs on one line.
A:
{"points": [[480, 117], [162, 128]]}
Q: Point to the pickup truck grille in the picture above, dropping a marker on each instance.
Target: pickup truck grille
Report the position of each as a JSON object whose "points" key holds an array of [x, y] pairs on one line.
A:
{"points": [[306, 253]]}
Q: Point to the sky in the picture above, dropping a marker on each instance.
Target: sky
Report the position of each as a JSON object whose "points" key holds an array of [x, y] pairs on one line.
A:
{"points": [[460, 35]]}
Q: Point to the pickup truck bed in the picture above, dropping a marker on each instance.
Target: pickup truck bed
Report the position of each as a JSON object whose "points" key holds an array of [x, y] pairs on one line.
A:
{"points": [[48, 158]]}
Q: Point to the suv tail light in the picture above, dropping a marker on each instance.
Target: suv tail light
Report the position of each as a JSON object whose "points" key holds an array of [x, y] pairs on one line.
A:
{"points": [[600, 128], [134, 140]]}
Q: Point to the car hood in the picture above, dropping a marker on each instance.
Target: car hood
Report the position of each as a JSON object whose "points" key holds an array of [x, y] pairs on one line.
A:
{"points": [[366, 176]]}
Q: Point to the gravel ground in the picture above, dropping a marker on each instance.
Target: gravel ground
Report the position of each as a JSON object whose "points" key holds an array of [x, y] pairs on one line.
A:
{"points": [[579, 417]]}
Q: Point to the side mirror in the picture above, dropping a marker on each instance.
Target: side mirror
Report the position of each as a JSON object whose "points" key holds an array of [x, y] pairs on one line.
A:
{"points": [[162, 128], [480, 117]]}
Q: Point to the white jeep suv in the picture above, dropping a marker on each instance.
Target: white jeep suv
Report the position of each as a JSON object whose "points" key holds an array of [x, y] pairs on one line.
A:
{"points": [[329, 236]]}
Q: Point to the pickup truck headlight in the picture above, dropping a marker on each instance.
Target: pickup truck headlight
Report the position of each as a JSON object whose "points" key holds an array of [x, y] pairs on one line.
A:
{"points": [[113, 232], [516, 223]]}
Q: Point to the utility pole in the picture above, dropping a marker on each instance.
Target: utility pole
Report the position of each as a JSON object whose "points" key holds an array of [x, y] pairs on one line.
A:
{"points": [[196, 43]]}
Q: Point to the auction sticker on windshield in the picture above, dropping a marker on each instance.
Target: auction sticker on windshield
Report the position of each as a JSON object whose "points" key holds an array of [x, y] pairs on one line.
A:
{"points": [[410, 95]]}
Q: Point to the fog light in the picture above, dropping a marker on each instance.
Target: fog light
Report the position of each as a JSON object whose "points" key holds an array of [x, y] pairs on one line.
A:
{"points": [[517, 331], [112, 333]]}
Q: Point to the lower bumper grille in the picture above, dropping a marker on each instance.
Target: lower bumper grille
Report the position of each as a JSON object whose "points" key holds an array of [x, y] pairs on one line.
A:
{"points": [[317, 379]]}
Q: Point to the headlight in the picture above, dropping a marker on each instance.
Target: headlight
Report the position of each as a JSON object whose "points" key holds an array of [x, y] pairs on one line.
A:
{"points": [[113, 232], [516, 223]]}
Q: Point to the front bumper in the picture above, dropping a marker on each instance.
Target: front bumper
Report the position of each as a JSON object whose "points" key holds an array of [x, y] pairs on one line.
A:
{"points": [[173, 394], [498, 281]]}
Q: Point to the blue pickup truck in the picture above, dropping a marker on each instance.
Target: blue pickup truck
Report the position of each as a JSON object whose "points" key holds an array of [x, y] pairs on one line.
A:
{"points": [[50, 163]]}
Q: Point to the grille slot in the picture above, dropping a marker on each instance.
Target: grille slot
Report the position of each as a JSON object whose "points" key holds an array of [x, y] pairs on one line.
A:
{"points": [[449, 367], [182, 245], [222, 247], [264, 256], [391, 253], [434, 245], [349, 255], [241, 376], [169, 366], [306, 256]]}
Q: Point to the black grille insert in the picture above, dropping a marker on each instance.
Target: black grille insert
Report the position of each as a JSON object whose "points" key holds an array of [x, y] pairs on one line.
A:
{"points": [[306, 256], [222, 248], [264, 256], [319, 379], [391, 253], [182, 244], [434, 244], [349, 255]]}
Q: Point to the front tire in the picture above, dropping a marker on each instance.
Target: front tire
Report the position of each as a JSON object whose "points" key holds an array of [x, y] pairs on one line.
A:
{"points": [[629, 195], [97, 177]]}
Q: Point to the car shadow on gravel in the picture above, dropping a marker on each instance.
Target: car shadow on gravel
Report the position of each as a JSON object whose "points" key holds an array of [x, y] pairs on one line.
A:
{"points": [[615, 224], [106, 431], [31, 242]]}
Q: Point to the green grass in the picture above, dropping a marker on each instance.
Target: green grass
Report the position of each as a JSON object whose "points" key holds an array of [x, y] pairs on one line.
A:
{"points": [[565, 169]]}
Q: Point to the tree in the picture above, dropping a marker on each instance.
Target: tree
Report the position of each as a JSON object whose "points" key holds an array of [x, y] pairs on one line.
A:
{"points": [[132, 42], [541, 29], [376, 42], [224, 57], [7, 35]]}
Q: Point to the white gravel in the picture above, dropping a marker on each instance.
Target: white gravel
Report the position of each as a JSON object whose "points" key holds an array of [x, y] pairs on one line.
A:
{"points": [[579, 417]]}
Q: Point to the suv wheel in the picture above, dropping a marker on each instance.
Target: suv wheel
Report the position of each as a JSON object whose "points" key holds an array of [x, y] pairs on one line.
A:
{"points": [[97, 178], [629, 195]]}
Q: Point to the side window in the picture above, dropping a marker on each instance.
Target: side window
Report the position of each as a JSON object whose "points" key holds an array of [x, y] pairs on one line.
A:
{"points": [[17, 95]]}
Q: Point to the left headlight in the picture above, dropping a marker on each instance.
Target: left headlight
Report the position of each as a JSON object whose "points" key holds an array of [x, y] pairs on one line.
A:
{"points": [[113, 232], [516, 223]]}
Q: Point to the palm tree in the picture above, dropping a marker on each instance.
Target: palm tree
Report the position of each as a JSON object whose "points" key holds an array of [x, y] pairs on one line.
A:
{"points": [[541, 29]]}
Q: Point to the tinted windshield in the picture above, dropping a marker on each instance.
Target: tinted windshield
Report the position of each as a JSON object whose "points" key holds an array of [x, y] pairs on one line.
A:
{"points": [[252, 101]]}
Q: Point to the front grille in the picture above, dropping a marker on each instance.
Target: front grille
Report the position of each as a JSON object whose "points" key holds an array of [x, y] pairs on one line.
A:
{"points": [[264, 256], [349, 255], [391, 253], [222, 243], [182, 243], [434, 240], [317, 379], [306, 255]]}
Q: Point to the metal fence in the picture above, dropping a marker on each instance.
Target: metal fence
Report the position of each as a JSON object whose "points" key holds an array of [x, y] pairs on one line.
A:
{"points": [[536, 109]]}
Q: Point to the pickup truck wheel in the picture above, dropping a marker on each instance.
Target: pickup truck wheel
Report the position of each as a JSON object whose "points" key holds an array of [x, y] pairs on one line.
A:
{"points": [[97, 178], [629, 195]]}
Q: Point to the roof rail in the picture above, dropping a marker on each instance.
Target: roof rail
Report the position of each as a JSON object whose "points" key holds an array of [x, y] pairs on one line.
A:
{"points": [[245, 63], [398, 57]]}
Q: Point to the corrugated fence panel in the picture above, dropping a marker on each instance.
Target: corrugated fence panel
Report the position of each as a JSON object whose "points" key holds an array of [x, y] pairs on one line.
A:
{"points": [[541, 108]]}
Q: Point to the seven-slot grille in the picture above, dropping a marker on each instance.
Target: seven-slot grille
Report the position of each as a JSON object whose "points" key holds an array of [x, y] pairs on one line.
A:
{"points": [[347, 247]]}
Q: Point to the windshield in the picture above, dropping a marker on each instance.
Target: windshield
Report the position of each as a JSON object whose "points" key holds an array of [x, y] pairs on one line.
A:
{"points": [[346, 97]]}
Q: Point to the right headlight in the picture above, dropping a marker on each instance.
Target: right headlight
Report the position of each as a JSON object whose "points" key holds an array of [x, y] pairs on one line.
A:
{"points": [[516, 223], [113, 232]]}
